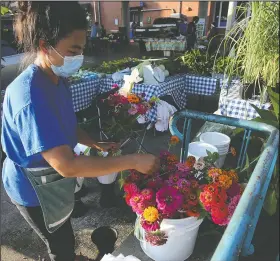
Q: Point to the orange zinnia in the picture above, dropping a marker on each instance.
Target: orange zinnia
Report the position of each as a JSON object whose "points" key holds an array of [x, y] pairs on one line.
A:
{"points": [[233, 175], [132, 98], [233, 151], [224, 181], [172, 159], [174, 140], [190, 161]]}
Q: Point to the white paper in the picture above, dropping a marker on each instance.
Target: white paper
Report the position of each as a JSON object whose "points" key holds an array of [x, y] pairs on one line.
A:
{"points": [[116, 21], [120, 257]]}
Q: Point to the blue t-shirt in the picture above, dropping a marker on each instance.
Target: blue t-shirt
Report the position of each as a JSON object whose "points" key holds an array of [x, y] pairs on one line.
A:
{"points": [[37, 115]]}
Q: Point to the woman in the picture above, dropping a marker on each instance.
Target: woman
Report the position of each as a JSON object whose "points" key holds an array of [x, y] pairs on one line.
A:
{"points": [[39, 128]]}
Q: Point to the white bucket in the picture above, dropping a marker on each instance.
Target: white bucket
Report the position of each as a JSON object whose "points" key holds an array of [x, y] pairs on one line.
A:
{"points": [[182, 234], [107, 179], [199, 149], [220, 141], [220, 162]]}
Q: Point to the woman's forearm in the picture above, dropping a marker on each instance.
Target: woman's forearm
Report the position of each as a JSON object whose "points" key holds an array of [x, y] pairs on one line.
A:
{"points": [[88, 166]]}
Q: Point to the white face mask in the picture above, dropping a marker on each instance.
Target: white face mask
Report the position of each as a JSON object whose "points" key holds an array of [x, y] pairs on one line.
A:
{"points": [[71, 64]]}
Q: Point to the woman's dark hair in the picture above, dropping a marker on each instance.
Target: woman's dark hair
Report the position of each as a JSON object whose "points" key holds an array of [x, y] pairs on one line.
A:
{"points": [[50, 21]]}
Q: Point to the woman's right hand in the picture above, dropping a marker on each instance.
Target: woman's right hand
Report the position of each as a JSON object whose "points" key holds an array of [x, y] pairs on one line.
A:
{"points": [[147, 163]]}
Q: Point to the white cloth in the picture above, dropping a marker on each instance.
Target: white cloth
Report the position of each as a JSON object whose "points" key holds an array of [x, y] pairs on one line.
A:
{"points": [[164, 112], [148, 75], [118, 76], [159, 74], [129, 81], [109, 257]]}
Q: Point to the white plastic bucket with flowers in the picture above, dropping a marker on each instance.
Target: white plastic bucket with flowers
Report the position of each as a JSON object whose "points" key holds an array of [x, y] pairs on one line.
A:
{"points": [[171, 203], [180, 239]]}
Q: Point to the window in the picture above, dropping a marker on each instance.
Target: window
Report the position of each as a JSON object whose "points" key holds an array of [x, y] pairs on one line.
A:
{"points": [[221, 11]]}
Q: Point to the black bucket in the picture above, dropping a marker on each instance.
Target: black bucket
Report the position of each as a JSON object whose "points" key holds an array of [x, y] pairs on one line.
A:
{"points": [[104, 238]]}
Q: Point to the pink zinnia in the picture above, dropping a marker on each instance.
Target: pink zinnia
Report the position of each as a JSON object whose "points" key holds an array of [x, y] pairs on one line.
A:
{"points": [[174, 178], [183, 168], [220, 222], [169, 200], [233, 204], [135, 201], [148, 226], [148, 194], [183, 183], [133, 110], [114, 86], [155, 183], [131, 188], [142, 109]]}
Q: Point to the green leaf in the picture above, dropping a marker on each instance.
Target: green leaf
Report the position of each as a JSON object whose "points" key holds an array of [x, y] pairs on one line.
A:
{"points": [[238, 131], [274, 98], [209, 154], [265, 114], [246, 167], [215, 156], [270, 202], [272, 123]]}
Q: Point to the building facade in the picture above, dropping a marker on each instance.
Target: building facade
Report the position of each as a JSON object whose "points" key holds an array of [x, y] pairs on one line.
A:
{"points": [[110, 14]]}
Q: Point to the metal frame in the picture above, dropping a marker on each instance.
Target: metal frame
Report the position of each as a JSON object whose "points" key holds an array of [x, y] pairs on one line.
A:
{"points": [[239, 233]]}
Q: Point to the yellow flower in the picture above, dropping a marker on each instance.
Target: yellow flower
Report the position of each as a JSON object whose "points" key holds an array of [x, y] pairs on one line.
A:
{"points": [[233, 175], [174, 140], [150, 214], [224, 181]]}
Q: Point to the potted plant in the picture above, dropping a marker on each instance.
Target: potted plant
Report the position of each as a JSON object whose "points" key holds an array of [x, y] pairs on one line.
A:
{"points": [[254, 43], [172, 203], [197, 62], [254, 46]]}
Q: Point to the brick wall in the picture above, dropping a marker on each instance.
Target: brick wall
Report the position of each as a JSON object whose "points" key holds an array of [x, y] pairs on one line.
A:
{"points": [[109, 12]]}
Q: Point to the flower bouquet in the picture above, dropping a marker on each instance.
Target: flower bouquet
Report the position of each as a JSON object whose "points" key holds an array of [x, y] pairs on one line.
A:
{"points": [[172, 203], [124, 112]]}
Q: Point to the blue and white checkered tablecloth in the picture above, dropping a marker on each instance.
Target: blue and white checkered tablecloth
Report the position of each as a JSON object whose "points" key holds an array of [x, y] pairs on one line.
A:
{"points": [[200, 85], [173, 86], [241, 109], [178, 86], [83, 93], [107, 83]]}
